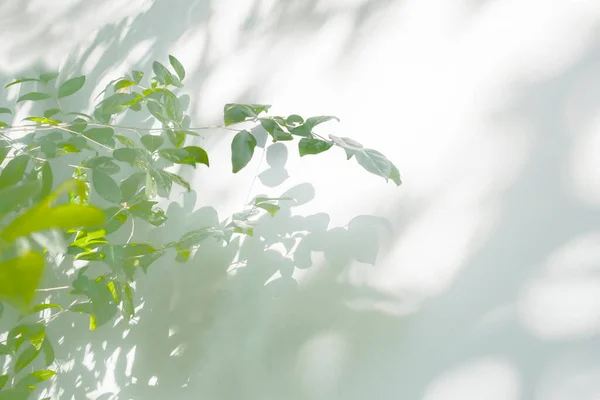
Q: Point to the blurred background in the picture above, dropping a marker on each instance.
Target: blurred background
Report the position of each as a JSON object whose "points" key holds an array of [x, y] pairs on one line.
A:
{"points": [[478, 278]]}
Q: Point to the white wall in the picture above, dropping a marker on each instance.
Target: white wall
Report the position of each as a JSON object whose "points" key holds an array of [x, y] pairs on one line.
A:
{"points": [[488, 287]]}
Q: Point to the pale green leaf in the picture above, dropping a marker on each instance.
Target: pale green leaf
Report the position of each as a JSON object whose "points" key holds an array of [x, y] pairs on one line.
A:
{"points": [[234, 113], [105, 186], [179, 70], [312, 146], [19, 277], [33, 96], [152, 142], [21, 81], [4, 110], [13, 171], [268, 207], [71, 86], [198, 154], [242, 150], [47, 77], [25, 358]]}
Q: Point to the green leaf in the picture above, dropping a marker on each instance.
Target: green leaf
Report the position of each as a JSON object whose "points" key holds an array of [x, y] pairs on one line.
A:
{"points": [[137, 76], [125, 141], [65, 216], [34, 96], [4, 110], [198, 154], [130, 186], [351, 146], [114, 104], [4, 150], [47, 77], [115, 218], [395, 176], [41, 120], [305, 130], [270, 208], [261, 199], [242, 150], [294, 120], [21, 81], [71, 86], [25, 358], [162, 73], [177, 156], [4, 350], [312, 146], [128, 306], [3, 380], [150, 189], [14, 196], [174, 110], [124, 83], [135, 157], [103, 136], [177, 67], [13, 171], [163, 182], [105, 186], [157, 111], [50, 112], [176, 137], [275, 130], [179, 180], [30, 381], [48, 352], [19, 277], [145, 210], [47, 179], [234, 113], [41, 307], [152, 142]]}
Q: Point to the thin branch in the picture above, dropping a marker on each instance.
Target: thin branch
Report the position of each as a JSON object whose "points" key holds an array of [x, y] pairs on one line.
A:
{"points": [[53, 289]]}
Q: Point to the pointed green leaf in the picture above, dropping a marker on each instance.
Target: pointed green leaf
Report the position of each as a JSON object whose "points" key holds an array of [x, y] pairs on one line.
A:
{"points": [[174, 110], [135, 157], [125, 141], [33, 96], [275, 130], [198, 154], [151, 189], [128, 306], [152, 142], [21, 81], [242, 150], [233, 113], [30, 381], [47, 77], [312, 146], [157, 111], [162, 73], [105, 186], [179, 70], [13, 196], [115, 218], [176, 137], [177, 156], [137, 76], [25, 358], [50, 112], [48, 352], [163, 182], [19, 277], [103, 136], [41, 307], [124, 83], [145, 210], [4, 110], [395, 176], [71, 86], [305, 130], [13, 171], [179, 180]]}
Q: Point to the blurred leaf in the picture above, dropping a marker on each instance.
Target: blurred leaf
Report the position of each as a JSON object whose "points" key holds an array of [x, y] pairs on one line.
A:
{"points": [[101, 135], [4, 110], [13, 171], [150, 188], [50, 112], [130, 186], [101, 307], [33, 96], [105, 186], [47, 77], [145, 210], [4, 350], [395, 176], [124, 83], [19, 277], [177, 67], [178, 180], [102, 163], [41, 307], [115, 218], [268, 207], [128, 306], [135, 157], [234, 113], [152, 142], [137, 76], [30, 381], [21, 81], [3, 380], [47, 179], [164, 76], [42, 120], [312, 146], [25, 358], [71, 86], [174, 110], [176, 137], [260, 199], [125, 141], [4, 150], [198, 154], [48, 351], [242, 150], [14, 196]]}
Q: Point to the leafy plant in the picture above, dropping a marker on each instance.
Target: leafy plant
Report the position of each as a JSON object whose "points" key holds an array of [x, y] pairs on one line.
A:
{"points": [[119, 175]]}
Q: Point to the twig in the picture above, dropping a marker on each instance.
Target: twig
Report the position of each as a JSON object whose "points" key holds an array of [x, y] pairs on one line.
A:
{"points": [[53, 289]]}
